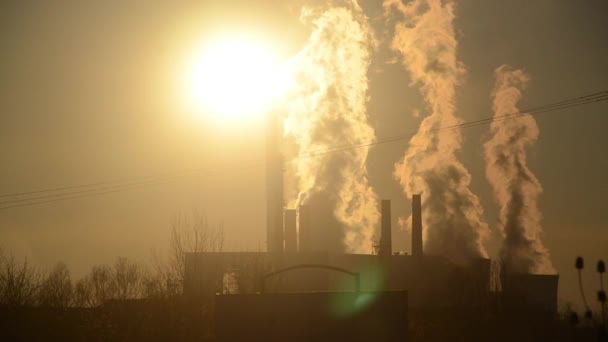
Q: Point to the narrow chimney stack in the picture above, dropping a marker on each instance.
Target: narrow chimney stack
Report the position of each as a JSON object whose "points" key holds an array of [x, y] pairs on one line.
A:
{"points": [[274, 185], [291, 234], [416, 226], [304, 229], [386, 240]]}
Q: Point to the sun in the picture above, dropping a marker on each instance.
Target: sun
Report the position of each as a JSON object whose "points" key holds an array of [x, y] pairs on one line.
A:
{"points": [[233, 78]]}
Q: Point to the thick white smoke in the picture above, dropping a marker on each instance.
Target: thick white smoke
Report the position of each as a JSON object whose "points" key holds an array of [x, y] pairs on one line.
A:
{"points": [[515, 187], [452, 214], [327, 108]]}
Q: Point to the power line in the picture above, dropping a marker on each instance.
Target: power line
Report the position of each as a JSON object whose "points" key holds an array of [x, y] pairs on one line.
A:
{"points": [[596, 97], [79, 196], [126, 184], [52, 189], [100, 191], [102, 183], [601, 96], [79, 192]]}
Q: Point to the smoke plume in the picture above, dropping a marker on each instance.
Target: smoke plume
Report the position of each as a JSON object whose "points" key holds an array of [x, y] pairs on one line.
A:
{"points": [[327, 108], [515, 187], [452, 215]]}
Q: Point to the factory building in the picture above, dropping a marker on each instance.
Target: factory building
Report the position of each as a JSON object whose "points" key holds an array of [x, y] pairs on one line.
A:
{"points": [[431, 281], [311, 235]]}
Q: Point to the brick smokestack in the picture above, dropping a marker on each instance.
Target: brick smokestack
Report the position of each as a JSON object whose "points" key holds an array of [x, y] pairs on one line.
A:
{"points": [[291, 234], [386, 240], [416, 225]]}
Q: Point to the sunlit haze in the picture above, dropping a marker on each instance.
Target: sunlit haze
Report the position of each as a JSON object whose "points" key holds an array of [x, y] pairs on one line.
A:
{"points": [[164, 164], [232, 78]]}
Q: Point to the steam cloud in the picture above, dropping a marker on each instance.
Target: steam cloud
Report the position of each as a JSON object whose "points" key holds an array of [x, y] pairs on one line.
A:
{"points": [[327, 108], [515, 187], [424, 37]]}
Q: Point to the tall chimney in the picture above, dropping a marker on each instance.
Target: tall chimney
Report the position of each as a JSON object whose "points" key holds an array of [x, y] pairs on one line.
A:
{"points": [[274, 184], [416, 226], [291, 234], [386, 240], [304, 229]]}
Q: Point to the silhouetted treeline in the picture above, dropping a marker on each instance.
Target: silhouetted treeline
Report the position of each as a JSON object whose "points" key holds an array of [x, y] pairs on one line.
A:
{"points": [[129, 301], [23, 284], [120, 301]]}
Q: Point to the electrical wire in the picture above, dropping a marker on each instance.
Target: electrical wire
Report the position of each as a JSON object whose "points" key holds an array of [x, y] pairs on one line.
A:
{"points": [[112, 186]]}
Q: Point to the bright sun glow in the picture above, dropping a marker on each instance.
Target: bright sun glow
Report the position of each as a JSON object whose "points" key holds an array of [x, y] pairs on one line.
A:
{"points": [[233, 79]]}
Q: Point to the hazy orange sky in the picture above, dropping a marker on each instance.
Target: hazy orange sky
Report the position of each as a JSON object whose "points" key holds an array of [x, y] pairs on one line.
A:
{"points": [[90, 92]]}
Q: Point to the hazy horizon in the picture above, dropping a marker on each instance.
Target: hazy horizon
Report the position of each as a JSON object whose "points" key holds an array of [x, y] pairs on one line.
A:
{"points": [[92, 93]]}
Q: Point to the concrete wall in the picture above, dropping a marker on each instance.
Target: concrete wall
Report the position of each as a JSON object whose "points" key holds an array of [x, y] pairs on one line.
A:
{"points": [[535, 291], [312, 316], [431, 281]]}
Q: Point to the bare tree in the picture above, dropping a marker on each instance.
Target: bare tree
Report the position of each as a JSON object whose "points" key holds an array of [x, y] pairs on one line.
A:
{"points": [[83, 293], [56, 288], [95, 288], [127, 279], [154, 285], [124, 280], [189, 236], [155, 279], [159, 281], [18, 283]]}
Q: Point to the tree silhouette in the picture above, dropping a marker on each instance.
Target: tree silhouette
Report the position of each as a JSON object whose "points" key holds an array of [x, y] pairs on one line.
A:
{"points": [[189, 236], [126, 280], [56, 289], [18, 282]]}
